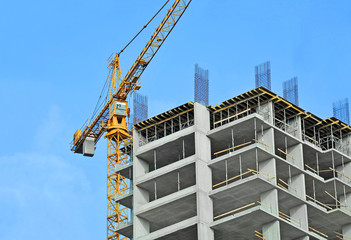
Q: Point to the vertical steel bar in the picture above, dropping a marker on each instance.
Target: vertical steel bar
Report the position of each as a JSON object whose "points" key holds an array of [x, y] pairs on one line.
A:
{"points": [[240, 167], [226, 172], [178, 175], [317, 159], [232, 131], [155, 160], [155, 185], [314, 190], [183, 149]]}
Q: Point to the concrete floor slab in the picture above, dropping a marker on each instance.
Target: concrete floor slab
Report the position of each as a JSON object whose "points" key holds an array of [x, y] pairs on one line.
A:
{"points": [[165, 170], [125, 199], [126, 229], [244, 224], [170, 209], [185, 229], [168, 183], [125, 170], [239, 193], [163, 142]]}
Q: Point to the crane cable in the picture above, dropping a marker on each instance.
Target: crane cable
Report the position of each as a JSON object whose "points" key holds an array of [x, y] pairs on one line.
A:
{"points": [[145, 26]]}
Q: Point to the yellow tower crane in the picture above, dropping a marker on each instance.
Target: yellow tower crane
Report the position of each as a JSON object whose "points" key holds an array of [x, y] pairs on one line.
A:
{"points": [[110, 118]]}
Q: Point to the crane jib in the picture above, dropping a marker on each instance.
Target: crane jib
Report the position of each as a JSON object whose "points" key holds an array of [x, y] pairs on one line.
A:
{"points": [[129, 83]]}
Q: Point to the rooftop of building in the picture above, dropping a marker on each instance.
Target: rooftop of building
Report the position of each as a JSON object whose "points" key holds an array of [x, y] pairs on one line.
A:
{"points": [[283, 109]]}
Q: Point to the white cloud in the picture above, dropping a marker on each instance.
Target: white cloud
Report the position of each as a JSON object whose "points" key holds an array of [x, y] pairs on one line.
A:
{"points": [[35, 187], [50, 129], [48, 191]]}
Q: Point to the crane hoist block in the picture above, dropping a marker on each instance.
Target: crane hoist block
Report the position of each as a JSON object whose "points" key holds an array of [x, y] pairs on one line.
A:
{"points": [[89, 147]]}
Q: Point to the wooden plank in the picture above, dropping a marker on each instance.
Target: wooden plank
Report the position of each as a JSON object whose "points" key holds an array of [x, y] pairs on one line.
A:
{"points": [[320, 203], [241, 145], [261, 143], [235, 210], [332, 196], [340, 173], [271, 176], [281, 180], [320, 233], [310, 168], [233, 116], [230, 179], [311, 138], [286, 154]]}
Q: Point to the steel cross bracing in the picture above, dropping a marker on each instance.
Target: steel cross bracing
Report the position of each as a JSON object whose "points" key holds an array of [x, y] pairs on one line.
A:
{"points": [[116, 184]]}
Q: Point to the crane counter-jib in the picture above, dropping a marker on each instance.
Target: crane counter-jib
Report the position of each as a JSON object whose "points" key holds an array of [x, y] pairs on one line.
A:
{"points": [[95, 130]]}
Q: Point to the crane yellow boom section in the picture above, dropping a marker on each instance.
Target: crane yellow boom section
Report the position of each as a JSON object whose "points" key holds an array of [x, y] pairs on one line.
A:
{"points": [[157, 39], [97, 126]]}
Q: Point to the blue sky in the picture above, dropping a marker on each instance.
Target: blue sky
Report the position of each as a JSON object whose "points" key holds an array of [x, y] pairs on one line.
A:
{"points": [[53, 65]]}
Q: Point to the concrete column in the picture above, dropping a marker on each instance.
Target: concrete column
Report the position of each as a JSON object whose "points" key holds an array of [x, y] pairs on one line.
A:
{"points": [[296, 152], [345, 172], [346, 144], [346, 230], [267, 170], [141, 227], [203, 173], [271, 230], [266, 137], [297, 185], [345, 201], [136, 139], [269, 201], [295, 127], [299, 216], [266, 110]]}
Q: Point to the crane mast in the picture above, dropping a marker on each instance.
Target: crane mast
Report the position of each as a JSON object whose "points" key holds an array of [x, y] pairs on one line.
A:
{"points": [[111, 120]]}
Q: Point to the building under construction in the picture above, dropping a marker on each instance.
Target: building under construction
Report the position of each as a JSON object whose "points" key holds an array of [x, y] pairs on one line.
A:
{"points": [[254, 167]]}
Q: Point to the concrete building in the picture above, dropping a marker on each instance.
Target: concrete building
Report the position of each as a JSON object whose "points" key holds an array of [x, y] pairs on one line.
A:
{"points": [[254, 167]]}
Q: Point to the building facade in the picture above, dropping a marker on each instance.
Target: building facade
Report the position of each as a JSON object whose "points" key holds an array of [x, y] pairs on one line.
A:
{"points": [[254, 167]]}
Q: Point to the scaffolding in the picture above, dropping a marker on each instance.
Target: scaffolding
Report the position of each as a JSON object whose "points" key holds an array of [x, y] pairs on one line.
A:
{"points": [[291, 90], [140, 108], [341, 110], [201, 85], [263, 75]]}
